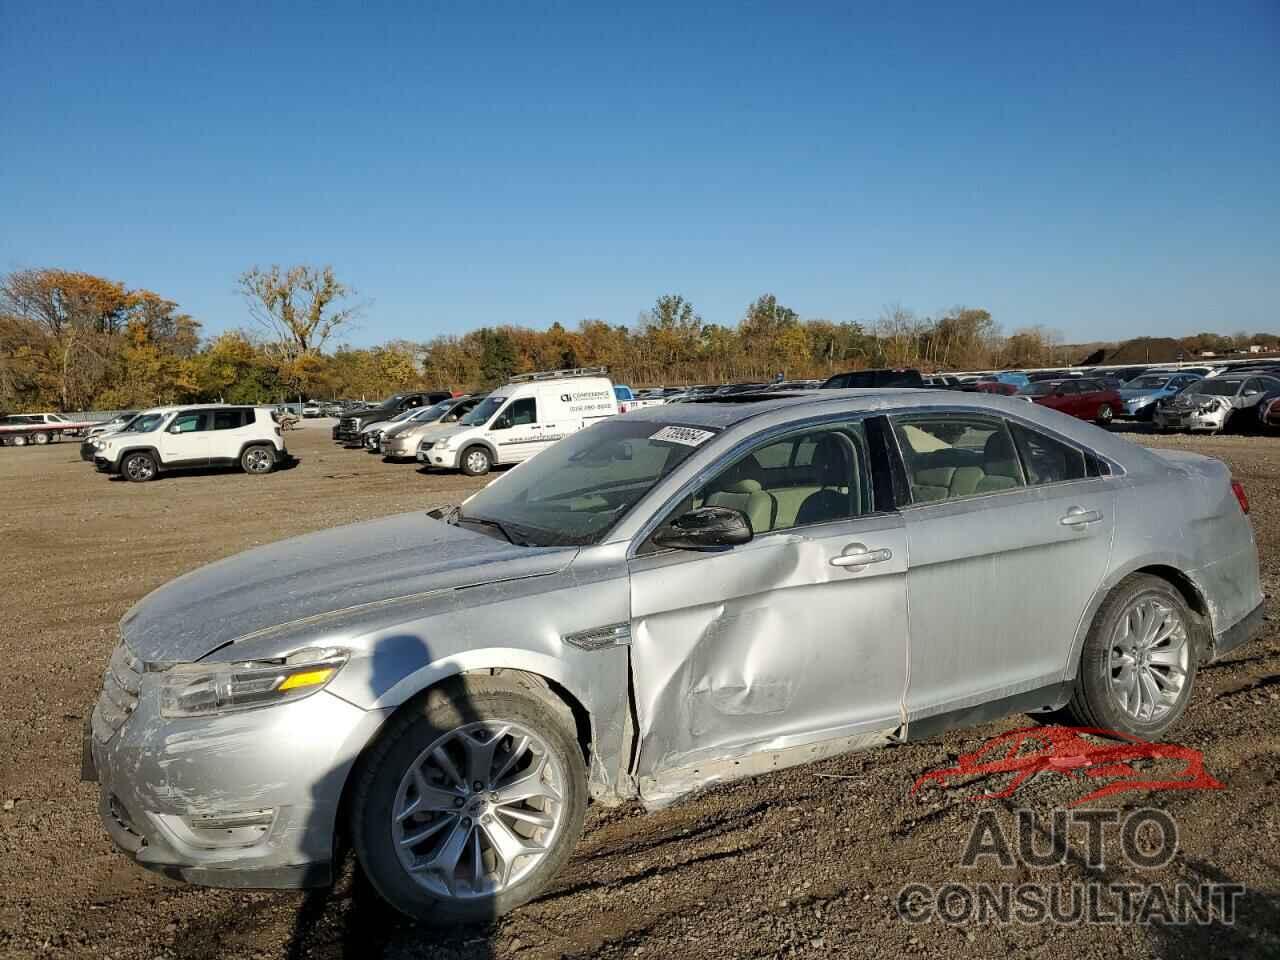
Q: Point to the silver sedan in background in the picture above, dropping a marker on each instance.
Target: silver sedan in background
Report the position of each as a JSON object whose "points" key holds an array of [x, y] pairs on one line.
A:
{"points": [[678, 597]]}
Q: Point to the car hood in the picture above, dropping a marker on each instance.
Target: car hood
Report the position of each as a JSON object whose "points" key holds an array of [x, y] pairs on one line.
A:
{"points": [[322, 573], [1141, 394], [402, 429]]}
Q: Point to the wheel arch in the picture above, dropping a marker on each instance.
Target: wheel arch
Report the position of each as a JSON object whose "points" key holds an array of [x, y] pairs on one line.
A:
{"points": [[442, 675], [155, 453], [484, 442], [1170, 569]]}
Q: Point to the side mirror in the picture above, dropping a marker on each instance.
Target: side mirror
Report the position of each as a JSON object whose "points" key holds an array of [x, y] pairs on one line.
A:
{"points": [[705, 529], [175, 429], [502, 423]]}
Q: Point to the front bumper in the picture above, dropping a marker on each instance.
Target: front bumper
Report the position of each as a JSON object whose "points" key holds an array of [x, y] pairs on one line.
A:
{"points": [[438, 456], [87, 450], [160, 780], [1183, 419], [1140, 409], [103, 465], [399, 448]]}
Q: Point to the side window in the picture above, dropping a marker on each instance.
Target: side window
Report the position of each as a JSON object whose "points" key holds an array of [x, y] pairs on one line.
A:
{"points": [[523, 411], [190, 422], [1047, 460], [778, 493], [953, 455], [1068, 388], [231, 419]]}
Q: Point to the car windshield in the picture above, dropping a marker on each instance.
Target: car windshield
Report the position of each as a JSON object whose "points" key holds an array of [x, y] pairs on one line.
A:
{"points": [[1147, 383], [143, 423], [392, 400], [576, 491], [483, 411], [1215, 388], [434, 412], [404, 415]]}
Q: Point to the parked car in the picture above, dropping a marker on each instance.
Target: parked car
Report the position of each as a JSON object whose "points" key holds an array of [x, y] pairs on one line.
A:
{"points": [[371, 433], [520, 419], [865, 379], [400, 442], [994, 386], [312, 409], [646, 609], [1080, 397], [1141, 395], [1217, 403], [347, 429], [114, 425], [177, 438]]}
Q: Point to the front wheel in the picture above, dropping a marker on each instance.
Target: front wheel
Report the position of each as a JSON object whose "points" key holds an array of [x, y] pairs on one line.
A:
{"points": [[258, 459], [1105, 415], [41, 439], [471, 802], [139, 467], [1138, 666], [475, 461]]}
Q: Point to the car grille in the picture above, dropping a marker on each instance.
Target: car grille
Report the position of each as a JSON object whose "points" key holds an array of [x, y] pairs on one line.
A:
{"points": [[347, 424], [119, 695]]}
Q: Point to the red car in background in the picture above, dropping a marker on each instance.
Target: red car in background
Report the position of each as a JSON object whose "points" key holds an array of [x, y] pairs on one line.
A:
{"points": [[995, 386], [1078, 396]]}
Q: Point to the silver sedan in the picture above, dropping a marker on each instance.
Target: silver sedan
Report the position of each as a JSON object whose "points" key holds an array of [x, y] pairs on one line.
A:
{"points": [[666, 600]]}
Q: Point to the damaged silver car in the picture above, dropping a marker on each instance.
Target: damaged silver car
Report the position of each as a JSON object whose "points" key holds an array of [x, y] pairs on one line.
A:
{"points": [[1215, 403], [682, 596]]}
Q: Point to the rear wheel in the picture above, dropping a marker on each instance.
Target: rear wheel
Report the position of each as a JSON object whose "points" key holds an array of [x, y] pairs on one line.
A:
{"points": [[40, 439], [20, 441], [1138, 666], [1105, 415], [139, 467], [471, 802], [475, 461], [258, 459]]}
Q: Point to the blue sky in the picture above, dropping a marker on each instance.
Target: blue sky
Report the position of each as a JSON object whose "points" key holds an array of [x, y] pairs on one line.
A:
{"points": [[1107, 170]]}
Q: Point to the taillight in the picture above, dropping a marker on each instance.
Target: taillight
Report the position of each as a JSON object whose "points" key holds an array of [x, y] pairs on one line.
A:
{"points": [[1241, 497]]}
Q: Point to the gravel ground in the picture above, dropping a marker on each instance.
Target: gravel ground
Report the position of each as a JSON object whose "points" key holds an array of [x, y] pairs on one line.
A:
{"points": [[805, 862]]}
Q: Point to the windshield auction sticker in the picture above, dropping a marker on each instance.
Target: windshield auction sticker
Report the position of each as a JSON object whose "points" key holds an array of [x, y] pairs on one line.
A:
{"points": [[689, 436]]}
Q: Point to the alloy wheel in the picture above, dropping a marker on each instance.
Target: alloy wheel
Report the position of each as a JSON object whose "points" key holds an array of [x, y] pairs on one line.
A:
{"points": [[1149, 659], [139, 468], [478, 809], [257, 460], [1105, 413]]}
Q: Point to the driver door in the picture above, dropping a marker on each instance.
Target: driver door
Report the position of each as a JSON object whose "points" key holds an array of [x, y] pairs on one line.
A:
{"points": [[519, 434], [780, 642], [186, 440]]}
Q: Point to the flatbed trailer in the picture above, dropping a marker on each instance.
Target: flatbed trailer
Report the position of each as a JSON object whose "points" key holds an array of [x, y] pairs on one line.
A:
{"points": [[39, 434]]}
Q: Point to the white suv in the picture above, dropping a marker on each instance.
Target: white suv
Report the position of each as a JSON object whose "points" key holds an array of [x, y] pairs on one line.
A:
{"points": [[179, 438]]}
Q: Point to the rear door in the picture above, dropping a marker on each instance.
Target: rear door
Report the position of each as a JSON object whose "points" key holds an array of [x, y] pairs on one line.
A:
{"points": [[185, 441], [1009, 535], [229, 433]]}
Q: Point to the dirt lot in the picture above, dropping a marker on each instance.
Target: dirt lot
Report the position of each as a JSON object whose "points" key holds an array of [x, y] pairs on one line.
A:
{"points": [[806, 862]]}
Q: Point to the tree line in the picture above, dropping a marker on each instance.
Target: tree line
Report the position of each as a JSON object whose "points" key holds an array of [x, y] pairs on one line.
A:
{"points": [[74, 341]]}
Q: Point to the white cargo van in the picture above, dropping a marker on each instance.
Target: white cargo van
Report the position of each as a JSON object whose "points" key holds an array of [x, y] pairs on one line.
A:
{"points": [[524, 417]]}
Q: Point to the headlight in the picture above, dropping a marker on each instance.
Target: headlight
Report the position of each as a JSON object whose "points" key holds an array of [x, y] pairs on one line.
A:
{"points": [[201, 690]]}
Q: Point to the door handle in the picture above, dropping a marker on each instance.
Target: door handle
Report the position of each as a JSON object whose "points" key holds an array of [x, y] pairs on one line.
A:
{"points": [[857, 555], [1080, 517]]}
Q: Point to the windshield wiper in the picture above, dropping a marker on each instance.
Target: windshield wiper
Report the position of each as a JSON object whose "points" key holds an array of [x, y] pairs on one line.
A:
{"points": [[485, 522]]}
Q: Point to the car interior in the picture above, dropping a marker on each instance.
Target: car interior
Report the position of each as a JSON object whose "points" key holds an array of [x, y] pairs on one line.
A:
{"points": [[809, 478]]}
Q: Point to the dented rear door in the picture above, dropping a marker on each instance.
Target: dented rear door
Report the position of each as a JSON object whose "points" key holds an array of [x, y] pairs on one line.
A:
{"points": [[769, 645]]}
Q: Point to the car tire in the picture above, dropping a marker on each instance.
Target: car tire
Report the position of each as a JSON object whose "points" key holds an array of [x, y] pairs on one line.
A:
{"points": [[139, 467], [462, 825], [1143, 636], [20, 440], [40, 439], [1105, 415], [258, 459], [475, 461]]}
